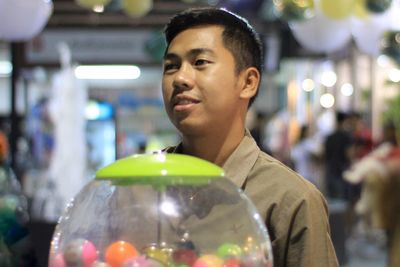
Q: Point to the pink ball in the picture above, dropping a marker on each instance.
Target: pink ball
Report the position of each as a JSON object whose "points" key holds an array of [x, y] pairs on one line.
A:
{"points": [[139, 261], [57, 261], [89, 253], [80, 251]]}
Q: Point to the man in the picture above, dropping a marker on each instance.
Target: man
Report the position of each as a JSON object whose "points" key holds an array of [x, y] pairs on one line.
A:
{"points": [[212, 71]]}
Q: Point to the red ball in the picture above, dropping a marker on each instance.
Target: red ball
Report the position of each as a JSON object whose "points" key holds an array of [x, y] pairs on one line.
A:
{"points": [[232, 263], [184, 256]]}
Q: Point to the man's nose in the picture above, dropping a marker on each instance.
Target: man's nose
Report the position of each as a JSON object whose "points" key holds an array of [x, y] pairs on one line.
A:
{"points": [[184, 77]]}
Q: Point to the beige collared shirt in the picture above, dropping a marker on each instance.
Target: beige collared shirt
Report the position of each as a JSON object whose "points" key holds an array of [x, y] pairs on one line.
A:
{"points": [[294, 211]]}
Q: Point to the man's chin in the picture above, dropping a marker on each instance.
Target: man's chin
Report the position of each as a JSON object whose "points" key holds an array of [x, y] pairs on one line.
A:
{"points": [[189, 129]]}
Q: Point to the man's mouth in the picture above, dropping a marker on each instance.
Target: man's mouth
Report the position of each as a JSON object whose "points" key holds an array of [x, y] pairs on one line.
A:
{"points": [[182, 103], [184, 100]]}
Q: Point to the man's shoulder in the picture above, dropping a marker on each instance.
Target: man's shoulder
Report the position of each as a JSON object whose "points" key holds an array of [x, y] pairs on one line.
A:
{"points": [[278, 179]]}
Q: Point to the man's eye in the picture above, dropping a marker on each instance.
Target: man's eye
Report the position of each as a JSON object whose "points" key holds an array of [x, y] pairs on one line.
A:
{"points": [[169, 67], [200, 62]]}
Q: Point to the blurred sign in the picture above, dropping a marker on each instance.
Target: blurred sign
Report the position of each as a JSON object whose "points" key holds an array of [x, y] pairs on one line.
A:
{"points": [[90, 46]]}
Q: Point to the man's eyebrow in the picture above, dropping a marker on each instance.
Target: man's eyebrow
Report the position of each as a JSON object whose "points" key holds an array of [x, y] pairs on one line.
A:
{"points": [[198, 51], [191, 53], [171, 56]]}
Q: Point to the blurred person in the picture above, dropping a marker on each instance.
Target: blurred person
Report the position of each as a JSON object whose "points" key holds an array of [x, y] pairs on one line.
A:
{"points": [[362, 135], [258, 130], [338, 154], [389, 134], [212, 71], [305, 155]]}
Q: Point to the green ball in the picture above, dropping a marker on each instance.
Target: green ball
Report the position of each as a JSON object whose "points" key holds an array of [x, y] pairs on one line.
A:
{"points": [[291, 10], [378, 6], [229, 250], [391, 45]]}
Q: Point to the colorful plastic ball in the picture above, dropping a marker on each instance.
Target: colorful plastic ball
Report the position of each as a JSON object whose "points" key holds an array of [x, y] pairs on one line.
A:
{"points": [[155, 263], [179, 265], [139, 261], [57, 261], [119, 252], [184, 256], [208, 260], [160, 254], [100, 264], [229, 250], [80, 252], [232, 263]]}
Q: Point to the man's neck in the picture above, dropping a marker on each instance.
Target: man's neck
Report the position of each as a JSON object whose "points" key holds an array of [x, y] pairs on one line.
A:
{"points": [[213, 147]]}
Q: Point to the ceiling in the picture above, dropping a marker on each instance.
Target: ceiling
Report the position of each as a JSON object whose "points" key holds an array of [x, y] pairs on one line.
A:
{"points": [[68, 14]]}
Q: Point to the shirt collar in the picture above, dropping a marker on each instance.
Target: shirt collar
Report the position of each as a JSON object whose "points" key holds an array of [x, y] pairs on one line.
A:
{"points": [[242, 160], [239, 163]]}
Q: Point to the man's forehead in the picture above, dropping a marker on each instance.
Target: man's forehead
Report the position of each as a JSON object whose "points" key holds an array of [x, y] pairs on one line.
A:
{"points": [[197, 40]]}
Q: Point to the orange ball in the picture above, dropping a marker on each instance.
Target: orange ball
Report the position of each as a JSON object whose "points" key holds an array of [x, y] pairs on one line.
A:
{"points": [[118, 252]]}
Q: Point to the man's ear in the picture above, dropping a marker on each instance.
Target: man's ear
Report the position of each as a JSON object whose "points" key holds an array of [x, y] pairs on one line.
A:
{"points": [[251, 80]]}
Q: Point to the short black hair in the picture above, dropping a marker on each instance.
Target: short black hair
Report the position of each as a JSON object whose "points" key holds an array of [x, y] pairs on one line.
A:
{"points": [[341, 116], [238, 36]]}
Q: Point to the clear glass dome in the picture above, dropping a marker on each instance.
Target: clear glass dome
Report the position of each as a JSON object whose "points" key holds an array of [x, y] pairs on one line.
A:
{"points": [[163, 210]]}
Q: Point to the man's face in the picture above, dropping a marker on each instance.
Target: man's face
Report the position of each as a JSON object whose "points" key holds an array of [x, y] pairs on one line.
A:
{"points": [[200, 86]]}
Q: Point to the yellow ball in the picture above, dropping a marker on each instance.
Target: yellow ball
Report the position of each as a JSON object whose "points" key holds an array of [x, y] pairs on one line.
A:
{"points": [[359, 9], [337, 9], [208, 260], [137, 8], [162, 255], [92, 3]]}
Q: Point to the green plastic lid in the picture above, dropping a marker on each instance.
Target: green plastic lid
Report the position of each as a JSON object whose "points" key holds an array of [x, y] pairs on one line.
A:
{"points": [[160, 169]]}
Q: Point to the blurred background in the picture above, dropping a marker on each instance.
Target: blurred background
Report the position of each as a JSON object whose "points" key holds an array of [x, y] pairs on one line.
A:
{"points": [[80, 87]]}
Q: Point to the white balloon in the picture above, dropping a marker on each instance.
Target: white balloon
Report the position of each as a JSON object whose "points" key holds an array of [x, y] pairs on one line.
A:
{"points": [[321, 34], [394, 16], [21, 20], [367, 33]]}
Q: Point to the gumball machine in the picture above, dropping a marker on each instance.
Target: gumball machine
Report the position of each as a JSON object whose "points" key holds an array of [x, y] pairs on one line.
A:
{"points": [[160, 210]]}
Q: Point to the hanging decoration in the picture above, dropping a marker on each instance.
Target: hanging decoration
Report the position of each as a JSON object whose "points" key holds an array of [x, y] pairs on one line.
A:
{"points": [[113, 6], [360, 9], [321, 34], [268, 11], [391, 45], [137, 8], [294, 9], [335, 23], [338, 9], [378, 6], [368, 32], [155, 46], [22, 20], [90, 4]]}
